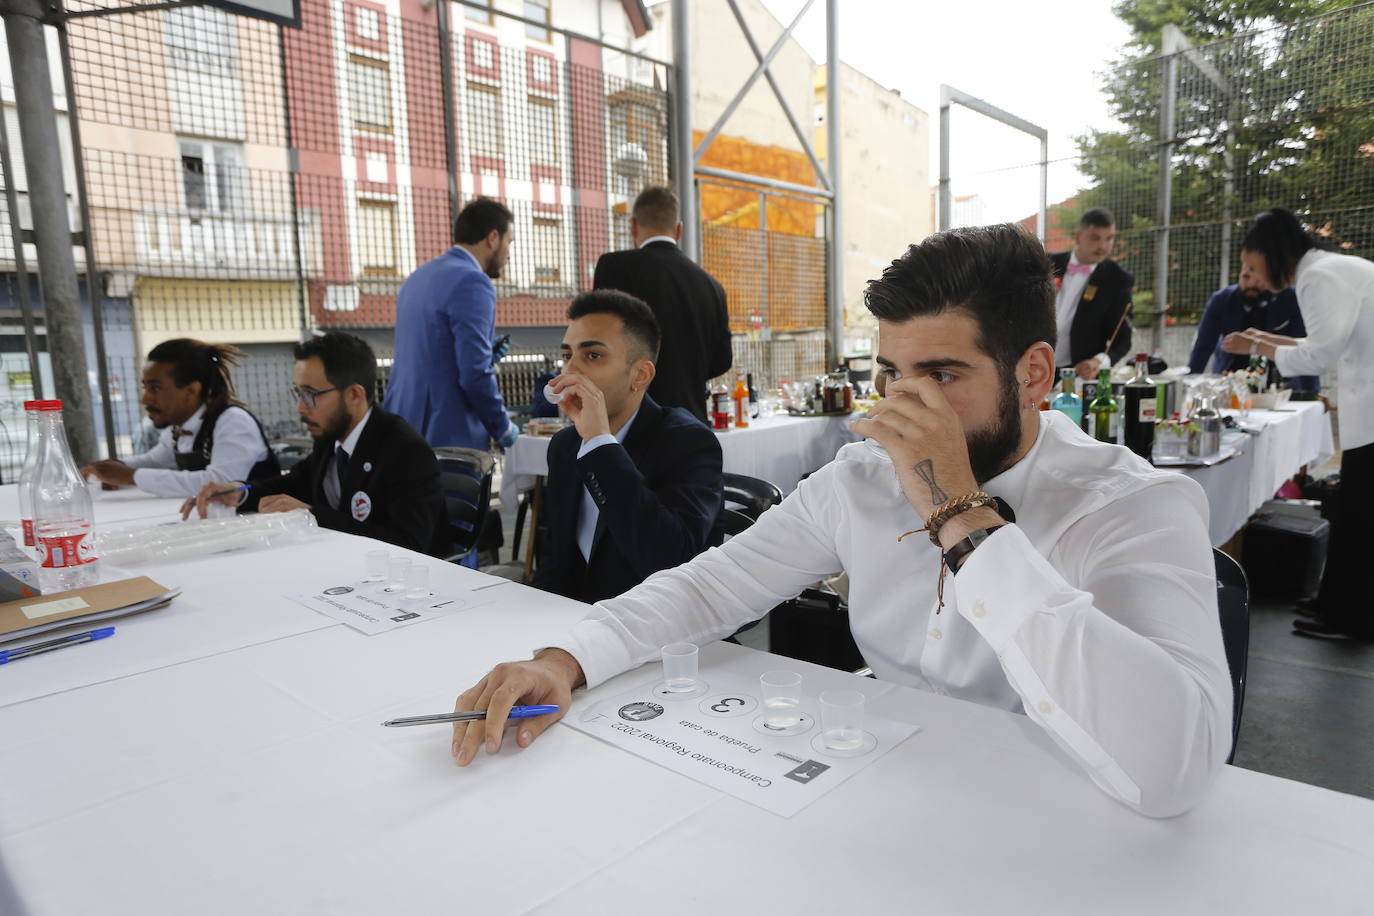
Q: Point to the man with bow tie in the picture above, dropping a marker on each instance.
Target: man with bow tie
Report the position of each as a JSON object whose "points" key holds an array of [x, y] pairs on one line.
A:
{"points": [[1093, 298], [207, 436]]}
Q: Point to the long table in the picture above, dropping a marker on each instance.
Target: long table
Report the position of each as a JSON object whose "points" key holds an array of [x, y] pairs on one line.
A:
{"points": [[254, 778]]}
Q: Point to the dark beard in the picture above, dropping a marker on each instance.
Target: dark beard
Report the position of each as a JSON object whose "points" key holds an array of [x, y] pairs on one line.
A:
{"points": [[990, 448]]}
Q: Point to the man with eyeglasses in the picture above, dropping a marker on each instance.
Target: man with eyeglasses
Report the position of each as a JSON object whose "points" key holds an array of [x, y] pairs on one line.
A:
{"points": [[371, 473]]}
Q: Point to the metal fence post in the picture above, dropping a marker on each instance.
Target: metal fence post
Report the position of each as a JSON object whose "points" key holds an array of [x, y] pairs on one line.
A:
{"points": [[680, 129], [1168, 98], [833, 139], [21, 269]]}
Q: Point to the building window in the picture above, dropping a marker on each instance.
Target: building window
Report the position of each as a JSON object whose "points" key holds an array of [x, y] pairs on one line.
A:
{"points": [[475, 15], [548, 251], [377, 237], [213, 179], [201, 38], [369, 90], [484, 120], [538, 10], [543, 114]]}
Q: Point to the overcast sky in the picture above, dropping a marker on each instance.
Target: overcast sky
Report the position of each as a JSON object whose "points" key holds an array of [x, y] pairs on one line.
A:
{"points": [[1038, 61]]}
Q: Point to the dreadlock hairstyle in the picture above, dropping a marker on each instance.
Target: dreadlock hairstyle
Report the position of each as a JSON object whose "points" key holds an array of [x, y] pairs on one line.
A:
{"points": [[197, 361]]}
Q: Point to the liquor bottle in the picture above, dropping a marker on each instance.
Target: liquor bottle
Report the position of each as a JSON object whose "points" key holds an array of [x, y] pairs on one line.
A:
{"points": [[61, 510], [753, 395], [1142, 402], [1105, 410], [1066, 401], [741, 400], [720, 406]]}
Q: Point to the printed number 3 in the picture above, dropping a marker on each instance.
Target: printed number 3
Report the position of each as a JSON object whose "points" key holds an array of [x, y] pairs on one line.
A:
{"points": [[725, 704]]}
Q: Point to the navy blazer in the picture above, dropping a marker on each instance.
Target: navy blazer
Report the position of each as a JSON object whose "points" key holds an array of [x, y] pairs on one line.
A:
{"points": [[659, 498], [442, 379], [690, 307], [1228, 312], [1097, 317], [390, 491]]}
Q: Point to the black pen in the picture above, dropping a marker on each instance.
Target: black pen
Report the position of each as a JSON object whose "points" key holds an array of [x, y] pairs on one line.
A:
{"points": [[52, 645]]}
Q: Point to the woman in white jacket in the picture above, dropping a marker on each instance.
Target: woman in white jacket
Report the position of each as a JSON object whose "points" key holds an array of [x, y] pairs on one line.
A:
{"points": [[1336, 298]]}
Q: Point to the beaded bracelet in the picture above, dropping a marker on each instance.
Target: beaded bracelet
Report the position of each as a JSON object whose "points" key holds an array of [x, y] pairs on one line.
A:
{"points": [[975, 500]]}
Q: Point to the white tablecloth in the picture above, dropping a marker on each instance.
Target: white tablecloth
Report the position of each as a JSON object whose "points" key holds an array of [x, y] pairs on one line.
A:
{"points": [[1277, 444], [258, 781], [779, 449]]}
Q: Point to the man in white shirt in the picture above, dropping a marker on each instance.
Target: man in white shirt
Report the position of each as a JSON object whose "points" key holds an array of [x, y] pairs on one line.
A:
{"points": [[1094, 613], [206, 435]]}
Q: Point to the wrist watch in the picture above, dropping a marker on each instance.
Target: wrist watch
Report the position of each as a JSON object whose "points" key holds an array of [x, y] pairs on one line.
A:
{"points": [[955, 556]]}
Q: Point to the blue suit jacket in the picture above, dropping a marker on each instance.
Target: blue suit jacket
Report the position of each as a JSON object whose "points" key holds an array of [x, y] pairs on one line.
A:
{"points": [[442, 380], [1227, 312]]}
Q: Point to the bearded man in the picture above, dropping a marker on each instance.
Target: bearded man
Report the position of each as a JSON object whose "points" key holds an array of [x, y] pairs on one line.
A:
{"points": [[995, 552], [370, 472]]}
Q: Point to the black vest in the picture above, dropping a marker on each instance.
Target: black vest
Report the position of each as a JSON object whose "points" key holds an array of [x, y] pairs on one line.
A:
{"points": [[198, 458]]}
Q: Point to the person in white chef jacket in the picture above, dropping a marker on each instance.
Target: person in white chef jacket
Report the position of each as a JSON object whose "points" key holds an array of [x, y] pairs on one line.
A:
{"points": [[1336, 298], [1094, 612]]}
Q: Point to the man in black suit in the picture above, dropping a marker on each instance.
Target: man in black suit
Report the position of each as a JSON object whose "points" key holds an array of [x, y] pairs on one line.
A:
{"points": [[687, 301], [371, 473], [1093, 298], [633, 487]]}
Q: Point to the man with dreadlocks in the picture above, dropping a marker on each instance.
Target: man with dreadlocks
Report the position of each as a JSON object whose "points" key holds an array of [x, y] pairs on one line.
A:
{"points": [[207, 435]]}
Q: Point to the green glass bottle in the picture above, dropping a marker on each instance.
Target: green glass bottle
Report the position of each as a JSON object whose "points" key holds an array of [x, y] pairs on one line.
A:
{"points": [[1104, 411]]}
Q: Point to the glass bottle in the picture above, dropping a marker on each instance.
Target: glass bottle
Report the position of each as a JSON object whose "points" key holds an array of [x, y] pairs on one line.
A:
{"points": [[720, 406], [1066, 401], [741, 400], [27, 474], [1142, 403], [1104, 411], [61, 510]]}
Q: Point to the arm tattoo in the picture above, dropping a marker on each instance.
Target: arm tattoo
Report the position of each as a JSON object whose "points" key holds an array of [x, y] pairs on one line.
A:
{"points": [[926, 471]]}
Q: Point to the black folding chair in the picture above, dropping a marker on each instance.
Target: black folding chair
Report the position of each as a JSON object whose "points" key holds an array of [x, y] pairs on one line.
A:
{"points": [[751, 494], [1233, 604], [465, 478]]}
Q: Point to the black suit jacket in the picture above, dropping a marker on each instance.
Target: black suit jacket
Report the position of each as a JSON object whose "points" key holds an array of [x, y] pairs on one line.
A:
{"points": [[392, 482], [690, 307], [658, 498], [1096, 318]]}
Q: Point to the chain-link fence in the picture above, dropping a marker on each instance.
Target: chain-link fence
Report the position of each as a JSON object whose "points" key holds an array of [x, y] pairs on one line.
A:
{"points": [[250, 184], [1278, 117]]}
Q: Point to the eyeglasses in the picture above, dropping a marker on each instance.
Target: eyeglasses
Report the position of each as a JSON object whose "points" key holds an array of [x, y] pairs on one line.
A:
{"points": [[307, 396]]}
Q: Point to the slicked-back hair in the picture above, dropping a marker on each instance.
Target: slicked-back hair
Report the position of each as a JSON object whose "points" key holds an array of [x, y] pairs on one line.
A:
{"points": [[478, 219], [997, 275], [1100, 217], [197, 361], [1279, 237], [641, 327], [657, 207], [347, 359]]}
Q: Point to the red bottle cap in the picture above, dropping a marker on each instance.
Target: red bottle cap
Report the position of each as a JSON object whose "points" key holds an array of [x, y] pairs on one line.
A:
{"points": [[43, 405]]}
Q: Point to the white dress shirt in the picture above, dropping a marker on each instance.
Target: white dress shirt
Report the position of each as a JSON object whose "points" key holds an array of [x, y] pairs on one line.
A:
{"points": [[589, 513], [657, 238], [238, 446], [1066, 308], [1095, 614], [1336, 298]]}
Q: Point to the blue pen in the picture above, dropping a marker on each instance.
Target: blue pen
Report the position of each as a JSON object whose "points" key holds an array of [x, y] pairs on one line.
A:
{"points": [[52, 645], [516, 712]]}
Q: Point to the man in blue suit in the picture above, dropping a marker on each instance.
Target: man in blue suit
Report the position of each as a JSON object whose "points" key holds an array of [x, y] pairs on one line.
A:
{"points": [[1245, 305], [442, 378]]}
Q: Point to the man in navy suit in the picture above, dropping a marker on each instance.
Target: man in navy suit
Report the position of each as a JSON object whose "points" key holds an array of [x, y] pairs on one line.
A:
{"points": [[633, 487], [442, 377], [1246, 305], [1092, 298]]}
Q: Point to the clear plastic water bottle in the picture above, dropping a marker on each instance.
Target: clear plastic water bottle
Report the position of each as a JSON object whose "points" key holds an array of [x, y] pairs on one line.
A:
{"points": [[27, 474], [61, 509]]}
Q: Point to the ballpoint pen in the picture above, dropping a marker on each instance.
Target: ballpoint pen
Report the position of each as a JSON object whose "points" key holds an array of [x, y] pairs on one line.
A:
{"points": [[52, 645], [516, 712]]}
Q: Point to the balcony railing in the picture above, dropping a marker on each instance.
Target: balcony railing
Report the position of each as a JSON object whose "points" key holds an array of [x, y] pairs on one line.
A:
{"points": [[187, 243]]}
